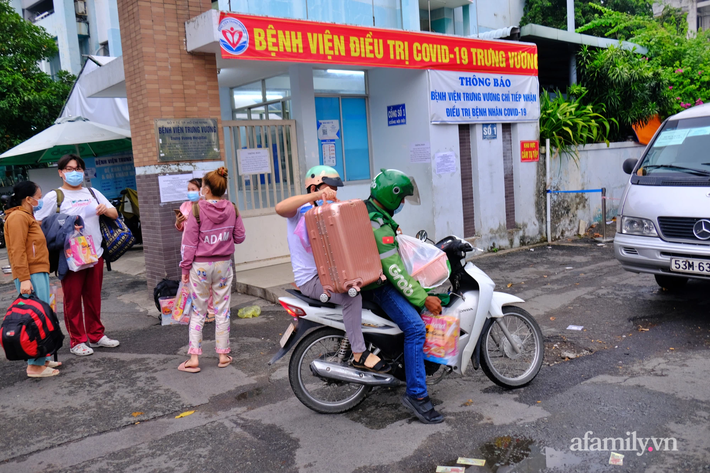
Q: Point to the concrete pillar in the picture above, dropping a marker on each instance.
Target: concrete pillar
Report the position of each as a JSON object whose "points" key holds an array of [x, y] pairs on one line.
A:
{"points": [[163, 81], [114, 32], [225, 103], [67, 39], [93, 27], [446, 187], [303, 110], [488, 187]]}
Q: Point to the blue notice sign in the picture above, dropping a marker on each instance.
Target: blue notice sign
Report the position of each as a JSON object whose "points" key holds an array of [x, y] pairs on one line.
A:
{"points": [[396, 115], [490, 131]]}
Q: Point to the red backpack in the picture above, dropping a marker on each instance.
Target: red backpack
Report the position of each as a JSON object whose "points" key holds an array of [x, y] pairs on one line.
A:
{"points": [[30, 329]]}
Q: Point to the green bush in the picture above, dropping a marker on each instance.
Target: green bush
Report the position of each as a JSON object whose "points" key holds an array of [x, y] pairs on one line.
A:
{"points": [[569, 123]]}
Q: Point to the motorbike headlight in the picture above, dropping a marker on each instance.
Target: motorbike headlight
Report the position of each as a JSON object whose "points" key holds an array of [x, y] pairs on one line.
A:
{"points": [[638, 226]]}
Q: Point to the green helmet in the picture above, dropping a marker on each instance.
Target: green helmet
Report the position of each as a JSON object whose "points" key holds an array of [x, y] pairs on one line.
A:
{"points": [[390, 186], [323, 174]]}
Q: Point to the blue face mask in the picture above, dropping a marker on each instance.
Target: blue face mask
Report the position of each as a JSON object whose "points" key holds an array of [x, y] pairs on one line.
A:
{"points": [[320, 202], [74, 178], [398, 209], [39, 205], [193, 196]]}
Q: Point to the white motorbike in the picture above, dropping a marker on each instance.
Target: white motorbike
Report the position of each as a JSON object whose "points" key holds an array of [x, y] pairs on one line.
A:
{"points": [[504, 340]]}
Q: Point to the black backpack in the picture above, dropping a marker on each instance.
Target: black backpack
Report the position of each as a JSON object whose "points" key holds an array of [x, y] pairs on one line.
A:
{"points": [[30, 329], [165, 288]]}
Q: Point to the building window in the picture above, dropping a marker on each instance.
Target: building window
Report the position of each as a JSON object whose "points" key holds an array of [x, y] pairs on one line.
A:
{"points": [[341, 104], [266, 99]]}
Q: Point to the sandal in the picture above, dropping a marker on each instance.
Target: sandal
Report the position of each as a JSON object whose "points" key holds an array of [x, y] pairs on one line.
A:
{"points": [[46, 373], [189, 369], [224, 364], [54, 364], [379, 367]]}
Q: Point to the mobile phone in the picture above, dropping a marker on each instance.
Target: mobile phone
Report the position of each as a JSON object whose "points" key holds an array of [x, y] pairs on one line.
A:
{"points": [[177, 212]]}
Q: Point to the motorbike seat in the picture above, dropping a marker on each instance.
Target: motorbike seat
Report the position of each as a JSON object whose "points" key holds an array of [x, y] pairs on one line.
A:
{"points": [[371, 306]]}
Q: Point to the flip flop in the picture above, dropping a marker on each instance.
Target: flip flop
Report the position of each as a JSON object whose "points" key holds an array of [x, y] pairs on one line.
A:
{"points": [[46, 373], [53, 364], [188, 369], [225, 364]]}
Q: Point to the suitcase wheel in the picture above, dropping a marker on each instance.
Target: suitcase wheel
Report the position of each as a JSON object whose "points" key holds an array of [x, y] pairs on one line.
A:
{"points": [[324, 298], [352, 292]]}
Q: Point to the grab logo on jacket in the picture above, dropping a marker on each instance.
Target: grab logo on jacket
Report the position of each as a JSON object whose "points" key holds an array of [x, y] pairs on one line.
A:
{"points": [[212, 239]]}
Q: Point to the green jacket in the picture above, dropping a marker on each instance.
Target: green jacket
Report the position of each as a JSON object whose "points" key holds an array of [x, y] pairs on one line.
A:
{"points": [[385, 230]]}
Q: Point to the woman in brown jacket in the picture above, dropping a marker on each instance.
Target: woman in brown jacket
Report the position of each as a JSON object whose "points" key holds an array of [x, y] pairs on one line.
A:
{"points": [[29, 257]]}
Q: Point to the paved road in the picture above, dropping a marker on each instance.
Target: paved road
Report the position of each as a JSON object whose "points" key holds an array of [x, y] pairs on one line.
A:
{"points": [[640, 366]]}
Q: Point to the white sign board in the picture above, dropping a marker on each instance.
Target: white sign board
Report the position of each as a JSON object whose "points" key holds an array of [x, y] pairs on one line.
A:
{"points": [[173, 188], [254, 161], [328, 129], [328, 154], [463, 97], [445, 162], [420, 153]]}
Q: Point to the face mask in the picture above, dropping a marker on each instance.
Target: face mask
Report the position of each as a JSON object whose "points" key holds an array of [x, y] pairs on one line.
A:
{"points": [[193, 196], [398, 209], [39, 205], [74, 178], [320, 202]]}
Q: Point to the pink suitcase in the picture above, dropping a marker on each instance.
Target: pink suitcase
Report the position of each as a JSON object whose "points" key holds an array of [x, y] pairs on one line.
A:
{"points": [[344, 247]]}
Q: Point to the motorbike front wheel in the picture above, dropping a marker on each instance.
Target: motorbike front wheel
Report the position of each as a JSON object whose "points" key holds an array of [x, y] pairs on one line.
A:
{"points": [[502, 363], [326, 396]]}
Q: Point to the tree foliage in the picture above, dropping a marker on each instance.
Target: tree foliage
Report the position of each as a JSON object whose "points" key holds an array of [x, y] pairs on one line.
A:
{"points": [[568, 122], [553, 13], [30, 100]]}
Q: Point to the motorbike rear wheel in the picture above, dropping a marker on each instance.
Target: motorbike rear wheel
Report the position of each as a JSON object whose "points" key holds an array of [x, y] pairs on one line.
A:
{"points": [[322, 395], [500, 361]]}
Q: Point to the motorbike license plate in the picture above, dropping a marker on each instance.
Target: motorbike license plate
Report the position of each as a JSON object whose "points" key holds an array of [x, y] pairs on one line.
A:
{"points": [[690, 266], [287, 335]]}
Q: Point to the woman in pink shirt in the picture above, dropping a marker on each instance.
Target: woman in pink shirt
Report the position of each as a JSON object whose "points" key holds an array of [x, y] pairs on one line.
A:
{"points": [[208, 245], [193, 194]]}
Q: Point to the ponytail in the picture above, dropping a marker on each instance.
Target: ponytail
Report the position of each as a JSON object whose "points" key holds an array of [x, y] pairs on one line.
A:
{"points": [[20, 192], [216, 181]]}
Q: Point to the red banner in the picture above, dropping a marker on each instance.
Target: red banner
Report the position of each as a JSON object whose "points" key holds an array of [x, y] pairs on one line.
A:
{"points": [[272, 39], [529, 151]]}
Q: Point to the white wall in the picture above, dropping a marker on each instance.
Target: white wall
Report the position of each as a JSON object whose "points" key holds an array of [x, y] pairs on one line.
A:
{"points": [[498, 14], [391, 144], [488, 188], [599, 166]]}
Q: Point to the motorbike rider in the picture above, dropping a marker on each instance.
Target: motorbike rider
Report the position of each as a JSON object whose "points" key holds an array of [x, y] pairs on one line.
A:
{"points": [[401, 297], [321, 186]]}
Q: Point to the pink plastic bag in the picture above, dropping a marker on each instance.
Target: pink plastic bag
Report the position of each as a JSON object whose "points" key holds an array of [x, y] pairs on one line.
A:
{"points": [[182, 305], [80, 251]]}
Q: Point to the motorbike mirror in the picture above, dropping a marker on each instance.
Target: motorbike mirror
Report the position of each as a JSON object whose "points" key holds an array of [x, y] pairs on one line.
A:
{"points": [[478, 251], [422, 235]]}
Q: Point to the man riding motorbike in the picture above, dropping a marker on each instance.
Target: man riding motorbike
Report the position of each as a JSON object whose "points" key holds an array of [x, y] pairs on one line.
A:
{"points": [[321, 186], [401, 297]]}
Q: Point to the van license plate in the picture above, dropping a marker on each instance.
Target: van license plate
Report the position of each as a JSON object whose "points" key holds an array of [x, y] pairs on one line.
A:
{"points": [[286, 336], [690, 266]]}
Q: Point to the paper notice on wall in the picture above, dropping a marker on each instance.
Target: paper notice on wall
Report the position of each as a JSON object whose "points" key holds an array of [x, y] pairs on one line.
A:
{"points": [[173, 188], [445, 163], [254, 161], [328, 154], [328, 130], [420, 153]]}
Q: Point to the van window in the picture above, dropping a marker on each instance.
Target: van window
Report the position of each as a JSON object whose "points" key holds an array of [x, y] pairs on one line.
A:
{"points": [[680, 149]]}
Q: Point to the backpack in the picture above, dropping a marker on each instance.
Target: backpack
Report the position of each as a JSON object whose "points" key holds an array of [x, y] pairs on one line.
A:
{"points": [[116, 237], [165, 288], [30, 329]]}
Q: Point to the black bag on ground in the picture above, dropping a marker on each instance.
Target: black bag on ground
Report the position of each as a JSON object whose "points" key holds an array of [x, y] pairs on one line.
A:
{"points": [[165, 288], [30, 329]]}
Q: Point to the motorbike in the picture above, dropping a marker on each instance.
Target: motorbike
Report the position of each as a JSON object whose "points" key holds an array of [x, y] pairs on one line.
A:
{"points": [[502, 339]]}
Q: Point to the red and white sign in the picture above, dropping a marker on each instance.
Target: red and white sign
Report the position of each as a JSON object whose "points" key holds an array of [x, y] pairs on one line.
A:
{"points": [[529, 151]]}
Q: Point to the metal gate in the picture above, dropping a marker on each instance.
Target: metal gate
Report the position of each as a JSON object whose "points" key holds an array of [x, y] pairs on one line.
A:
{"points": [[258, 194]]}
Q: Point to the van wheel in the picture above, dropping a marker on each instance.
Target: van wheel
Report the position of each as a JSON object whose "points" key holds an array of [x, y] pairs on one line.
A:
{"points": [[671, 283]]}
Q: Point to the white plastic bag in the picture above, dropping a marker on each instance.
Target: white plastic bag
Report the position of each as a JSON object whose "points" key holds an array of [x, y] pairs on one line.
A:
{"points": [[424, 262], [80, 251]]}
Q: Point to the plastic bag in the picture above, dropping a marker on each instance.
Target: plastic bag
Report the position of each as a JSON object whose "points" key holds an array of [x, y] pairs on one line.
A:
{"points": [[442, 336], [424, 262], [301, 232], [56, 296], [80, 251], [182, 305]]}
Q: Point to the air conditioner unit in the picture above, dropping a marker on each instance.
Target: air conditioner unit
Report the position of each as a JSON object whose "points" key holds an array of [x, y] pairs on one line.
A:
{"points": [[80, 7], [82, 28]]}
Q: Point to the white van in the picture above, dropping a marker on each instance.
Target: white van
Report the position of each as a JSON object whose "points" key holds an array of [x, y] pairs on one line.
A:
{"points": [[663, 227]]}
